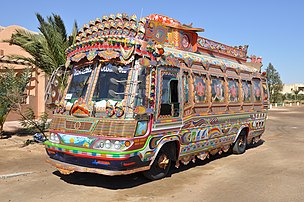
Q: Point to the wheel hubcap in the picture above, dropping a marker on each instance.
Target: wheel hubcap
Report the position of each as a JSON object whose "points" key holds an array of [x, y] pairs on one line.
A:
{"points": [[163, 161], [242, 142]]}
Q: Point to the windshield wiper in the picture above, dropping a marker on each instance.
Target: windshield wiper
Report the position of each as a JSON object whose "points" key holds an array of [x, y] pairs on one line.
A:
{"points": [[116, 94], [84, 88], [116, 82]]}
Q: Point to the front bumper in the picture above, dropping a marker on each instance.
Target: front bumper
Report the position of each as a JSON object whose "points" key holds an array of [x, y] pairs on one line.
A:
{"points": [[72, 159], [67, 168]]}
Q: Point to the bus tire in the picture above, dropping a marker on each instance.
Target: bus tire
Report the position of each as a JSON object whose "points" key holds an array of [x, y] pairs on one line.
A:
{"points": [[160, 166], [240, 144]]}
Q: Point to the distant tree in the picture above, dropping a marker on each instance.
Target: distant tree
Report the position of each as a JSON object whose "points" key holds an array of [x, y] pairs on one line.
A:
{"points": [[274, 82], [284, 97], [288, 96], [300, 97], [296, 92], [280, 97]]}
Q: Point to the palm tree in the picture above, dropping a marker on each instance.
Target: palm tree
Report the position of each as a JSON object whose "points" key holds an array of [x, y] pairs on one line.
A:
{"points": [[47, 48], [296, 92]]}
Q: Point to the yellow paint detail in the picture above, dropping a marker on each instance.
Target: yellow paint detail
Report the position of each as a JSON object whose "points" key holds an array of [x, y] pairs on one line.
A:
{"points": [[86, 144]]}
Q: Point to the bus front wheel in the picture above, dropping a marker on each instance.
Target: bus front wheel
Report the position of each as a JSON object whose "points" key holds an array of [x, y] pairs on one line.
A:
{"points": [[160, 166]]}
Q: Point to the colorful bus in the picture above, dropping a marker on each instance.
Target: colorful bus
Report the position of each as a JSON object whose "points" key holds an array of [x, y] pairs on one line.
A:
{"points": [[145, 94]]}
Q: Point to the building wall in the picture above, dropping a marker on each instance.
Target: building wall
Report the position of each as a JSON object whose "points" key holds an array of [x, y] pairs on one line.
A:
{"points": [[36, 88], [289, 88]]}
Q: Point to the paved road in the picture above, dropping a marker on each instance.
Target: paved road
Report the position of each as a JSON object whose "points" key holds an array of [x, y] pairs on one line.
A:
{"points": [[272, 171]]}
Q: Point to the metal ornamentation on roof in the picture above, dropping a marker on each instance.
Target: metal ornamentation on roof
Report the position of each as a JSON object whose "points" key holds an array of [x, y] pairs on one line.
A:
{"points": [[118, 32], [152, 37]]}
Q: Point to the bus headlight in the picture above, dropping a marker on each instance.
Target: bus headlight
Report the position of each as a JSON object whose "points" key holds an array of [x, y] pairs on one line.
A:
{"points": [[113, 145], [108, 144], [54, 138], [117, 145], [101, 144]]}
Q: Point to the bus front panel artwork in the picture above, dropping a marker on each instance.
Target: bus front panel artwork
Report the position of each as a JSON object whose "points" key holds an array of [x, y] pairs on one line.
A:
{"points": [[145, 94]]}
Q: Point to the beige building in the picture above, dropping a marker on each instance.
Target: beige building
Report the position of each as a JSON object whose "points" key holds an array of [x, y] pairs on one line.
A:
{"points": [[289, 88], [34, 95]]}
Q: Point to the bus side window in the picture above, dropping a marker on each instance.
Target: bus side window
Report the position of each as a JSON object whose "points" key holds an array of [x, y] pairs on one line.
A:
{"points": [[200, 88], [169, 96], [186, 87], [218, 89], [257, 90], [265, 92], [246, 89], [233, 90]]}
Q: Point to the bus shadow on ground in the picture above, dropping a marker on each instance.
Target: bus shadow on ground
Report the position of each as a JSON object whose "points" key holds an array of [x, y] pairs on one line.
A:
{"points": [[136, 179]]}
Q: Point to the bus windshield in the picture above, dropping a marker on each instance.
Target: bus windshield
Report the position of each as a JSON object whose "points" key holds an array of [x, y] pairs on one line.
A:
{"points": [[111, 82], [79, 83]]}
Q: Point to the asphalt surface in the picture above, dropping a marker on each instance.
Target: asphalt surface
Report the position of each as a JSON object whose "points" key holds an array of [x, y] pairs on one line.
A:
{"points": [[270, 171]]}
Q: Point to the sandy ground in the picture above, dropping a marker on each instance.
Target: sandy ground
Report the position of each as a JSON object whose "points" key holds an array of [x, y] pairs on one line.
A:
{"points": [[271, 171]]}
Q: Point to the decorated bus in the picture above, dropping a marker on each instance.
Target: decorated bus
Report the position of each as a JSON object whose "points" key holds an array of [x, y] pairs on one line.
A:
{"points": [[145, 94]]}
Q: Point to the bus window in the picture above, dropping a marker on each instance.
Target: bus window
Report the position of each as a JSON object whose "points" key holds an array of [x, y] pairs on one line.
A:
{"points": [[186, 87], [79, 84], [200, 89], [217, 89], [233, 92], [141, 98], [169, 96], [246, 87], [257, 90], [111, 84], [174, 91], [265, 92]]}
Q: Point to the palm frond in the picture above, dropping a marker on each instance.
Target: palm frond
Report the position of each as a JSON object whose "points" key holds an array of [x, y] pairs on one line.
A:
{"points": [[60, 27], [48, 47], [72, 37]]}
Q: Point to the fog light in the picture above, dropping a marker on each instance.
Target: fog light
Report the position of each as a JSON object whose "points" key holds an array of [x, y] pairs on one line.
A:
{"points": [[54, 138]]}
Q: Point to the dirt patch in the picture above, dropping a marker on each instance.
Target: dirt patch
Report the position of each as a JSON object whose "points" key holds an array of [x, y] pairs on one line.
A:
{"points": [[272, 171]]}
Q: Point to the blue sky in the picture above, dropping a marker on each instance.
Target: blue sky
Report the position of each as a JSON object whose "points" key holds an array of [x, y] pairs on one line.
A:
{"points": [[273, 29]]}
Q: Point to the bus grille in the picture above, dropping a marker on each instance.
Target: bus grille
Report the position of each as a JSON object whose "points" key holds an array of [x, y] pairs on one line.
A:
{"points": [[95, 127], [117, 128]]}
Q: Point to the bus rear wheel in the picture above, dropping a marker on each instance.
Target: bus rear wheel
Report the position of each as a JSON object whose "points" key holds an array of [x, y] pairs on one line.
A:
{"points": [[160, 166], [240, 144]]}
